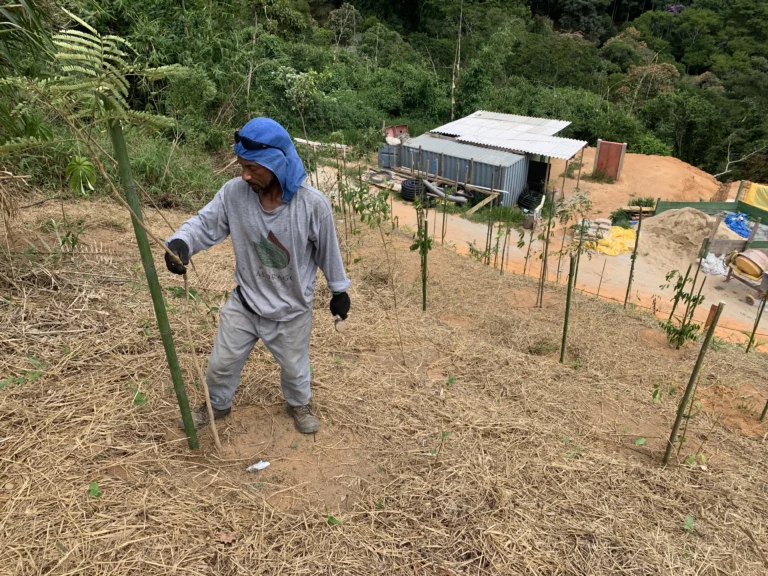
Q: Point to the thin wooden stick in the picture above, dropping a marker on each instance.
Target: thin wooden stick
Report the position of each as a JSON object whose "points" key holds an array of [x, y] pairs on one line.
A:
{"points": [[601, 277], [200, 376], [692, 383]]}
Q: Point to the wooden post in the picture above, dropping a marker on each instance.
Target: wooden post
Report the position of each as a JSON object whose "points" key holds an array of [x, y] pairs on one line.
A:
{"points": [[707, 243], [468, 177], [752, 233], [562, 192], [581, 164], [757, 322], [677, 296], [442, 165], [601, 278], [634, 257], [571, 273], [710, 316], [692, 382], [545, 260], [738, 192]]}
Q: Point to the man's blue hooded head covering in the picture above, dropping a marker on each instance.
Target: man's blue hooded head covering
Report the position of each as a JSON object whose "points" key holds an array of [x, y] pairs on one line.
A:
{"points": [[280, 156]]}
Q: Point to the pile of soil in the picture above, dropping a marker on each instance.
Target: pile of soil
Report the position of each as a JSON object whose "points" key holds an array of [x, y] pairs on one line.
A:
{"points": [[673, 238]]}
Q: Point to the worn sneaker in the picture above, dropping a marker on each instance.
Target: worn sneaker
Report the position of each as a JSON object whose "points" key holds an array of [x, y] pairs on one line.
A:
{"points": [[305, 421], [200, 417]]}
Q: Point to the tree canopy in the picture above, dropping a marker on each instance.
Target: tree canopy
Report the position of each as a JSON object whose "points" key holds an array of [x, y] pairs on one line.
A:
{"points": [[688, 79]]}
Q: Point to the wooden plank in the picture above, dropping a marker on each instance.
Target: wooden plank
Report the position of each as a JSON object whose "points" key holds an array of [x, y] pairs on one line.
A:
{"points": [[491, 198], [638, 209], [480, 189]]}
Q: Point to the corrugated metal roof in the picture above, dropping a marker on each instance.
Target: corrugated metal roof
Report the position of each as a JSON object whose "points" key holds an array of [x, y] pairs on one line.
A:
{"points": [[514, 133], [466, 151], [483, 120]]}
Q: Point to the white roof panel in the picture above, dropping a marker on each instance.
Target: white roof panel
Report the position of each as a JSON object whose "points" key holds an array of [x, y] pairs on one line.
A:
{"points": [[514, 133]]}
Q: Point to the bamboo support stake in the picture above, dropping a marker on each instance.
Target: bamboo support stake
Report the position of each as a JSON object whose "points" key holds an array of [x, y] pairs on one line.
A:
{"points": [[738, 192], [562, 192], [757, 322], [581, 163], [545, 262], [692, 383], [677, 296], [578, 251], [601, 278], [569, 294], [634, 259], [528, 252], [158, 302], [752, 233]]}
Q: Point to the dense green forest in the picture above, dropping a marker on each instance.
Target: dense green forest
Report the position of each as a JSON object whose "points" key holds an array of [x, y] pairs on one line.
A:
{"points": [[689, 79]]}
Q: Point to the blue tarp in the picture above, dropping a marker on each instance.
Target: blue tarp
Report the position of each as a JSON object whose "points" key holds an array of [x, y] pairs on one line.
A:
{"points": [[737, 221]]}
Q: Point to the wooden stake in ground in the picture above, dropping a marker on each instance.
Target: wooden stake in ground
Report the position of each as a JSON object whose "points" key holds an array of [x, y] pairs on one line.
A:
{"points": [[677, 293], [757, 322], [634, 258], [528, 252], [601, 278], [540, 295], [569, 294], [581, 163], [692, 383]]}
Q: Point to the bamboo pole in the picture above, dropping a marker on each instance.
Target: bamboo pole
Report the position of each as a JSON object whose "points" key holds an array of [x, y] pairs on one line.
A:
{"points": [[155, 290], [752, 233], [738, 192], [757, 322], [677, 294], [634, 258], [691, 383], [601, 278], [569, 294], [578, 251], [581, 163], [562, 192], [546, 252], [530, 243]]}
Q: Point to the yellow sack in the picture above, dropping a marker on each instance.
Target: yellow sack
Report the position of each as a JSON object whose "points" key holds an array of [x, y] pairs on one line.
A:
{"points": [[757, 196], [620, 241]]}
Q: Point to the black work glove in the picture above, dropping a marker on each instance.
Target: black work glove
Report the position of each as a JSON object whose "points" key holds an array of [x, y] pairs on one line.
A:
{"points": [[180, 248], [340, 305]]}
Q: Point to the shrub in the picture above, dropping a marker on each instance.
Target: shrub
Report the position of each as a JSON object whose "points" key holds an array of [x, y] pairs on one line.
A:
{"points": [[648, 144]]}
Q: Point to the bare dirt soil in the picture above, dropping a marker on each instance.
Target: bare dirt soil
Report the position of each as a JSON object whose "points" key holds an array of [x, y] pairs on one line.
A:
{"points": [[470, 450], [662, 177]]}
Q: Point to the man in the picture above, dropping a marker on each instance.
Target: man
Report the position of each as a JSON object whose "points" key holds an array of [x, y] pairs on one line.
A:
{"points": [[282, 231]]}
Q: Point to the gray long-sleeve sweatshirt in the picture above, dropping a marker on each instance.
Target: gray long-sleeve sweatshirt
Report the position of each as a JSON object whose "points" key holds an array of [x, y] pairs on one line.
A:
{"points": [[277, 253]]}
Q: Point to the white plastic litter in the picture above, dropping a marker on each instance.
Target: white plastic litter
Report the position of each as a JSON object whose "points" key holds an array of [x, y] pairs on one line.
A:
{"points": [[260, 465], [714, 265]]}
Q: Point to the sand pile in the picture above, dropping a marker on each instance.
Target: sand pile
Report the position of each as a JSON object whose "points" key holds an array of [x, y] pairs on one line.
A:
{"points": [[673, 238]]}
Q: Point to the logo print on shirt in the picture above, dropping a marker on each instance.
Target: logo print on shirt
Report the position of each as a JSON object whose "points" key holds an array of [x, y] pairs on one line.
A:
{"points": [[271, 253]]}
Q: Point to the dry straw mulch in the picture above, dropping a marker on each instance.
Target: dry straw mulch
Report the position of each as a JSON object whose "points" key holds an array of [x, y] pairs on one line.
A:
{"points": [[480, 455]]}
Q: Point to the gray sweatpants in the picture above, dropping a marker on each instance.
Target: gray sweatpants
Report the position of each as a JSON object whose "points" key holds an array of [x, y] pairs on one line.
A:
{"points": [[238, 332]]}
